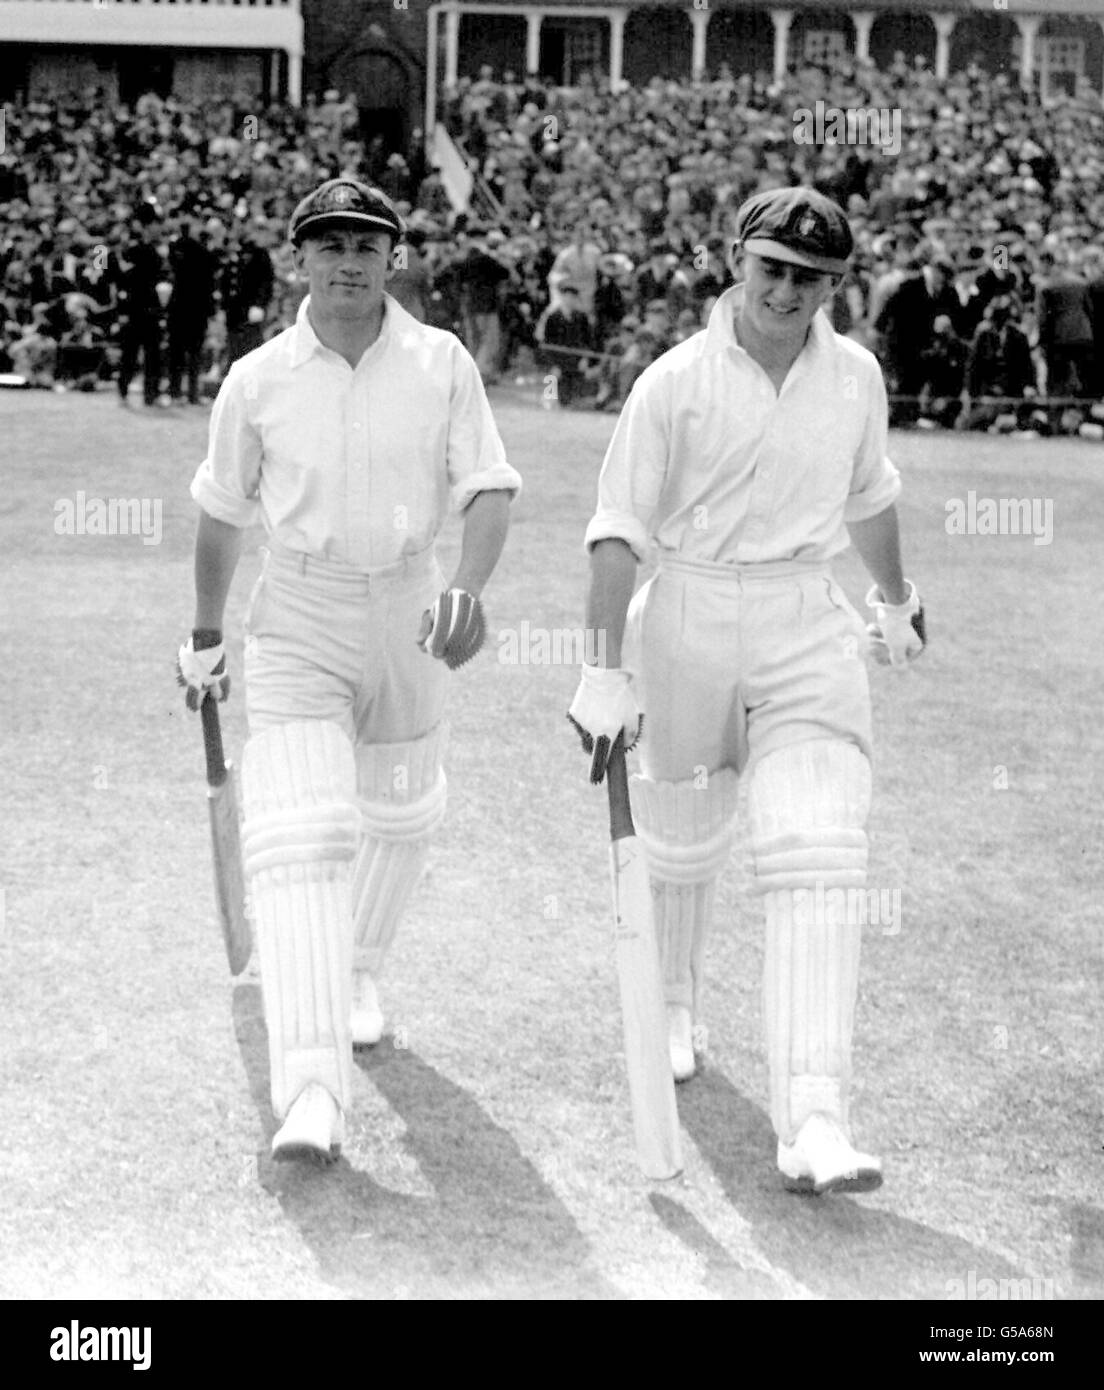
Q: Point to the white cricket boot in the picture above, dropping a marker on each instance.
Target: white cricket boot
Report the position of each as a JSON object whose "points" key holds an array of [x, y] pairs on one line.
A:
{"points": [[680, 1037], [822, 1159], [314, 1128], [366, 1019]]}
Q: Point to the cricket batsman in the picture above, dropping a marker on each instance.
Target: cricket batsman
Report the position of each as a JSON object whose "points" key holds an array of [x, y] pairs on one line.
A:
{"points": [[743, 460], [350, 436]]}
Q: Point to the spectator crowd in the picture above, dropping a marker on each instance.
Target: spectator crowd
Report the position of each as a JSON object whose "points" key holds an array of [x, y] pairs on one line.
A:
{"points": [[155, 235]]}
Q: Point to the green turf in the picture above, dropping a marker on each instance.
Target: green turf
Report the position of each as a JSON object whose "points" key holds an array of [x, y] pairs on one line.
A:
{"points": [[490, 1149]]}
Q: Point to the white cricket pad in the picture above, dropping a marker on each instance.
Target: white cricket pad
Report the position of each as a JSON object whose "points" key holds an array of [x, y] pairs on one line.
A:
{"points": [[808, 806], [686, 830], [402, 797], [299, 840]]}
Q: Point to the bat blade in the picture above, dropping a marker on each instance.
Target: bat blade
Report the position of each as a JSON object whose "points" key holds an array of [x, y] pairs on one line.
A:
{"points": [[643, 1008], [222, 806]]}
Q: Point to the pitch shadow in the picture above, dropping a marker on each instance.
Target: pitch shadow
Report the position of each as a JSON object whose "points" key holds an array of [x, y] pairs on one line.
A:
{"points": [[836, 1246], [492, 1229]]}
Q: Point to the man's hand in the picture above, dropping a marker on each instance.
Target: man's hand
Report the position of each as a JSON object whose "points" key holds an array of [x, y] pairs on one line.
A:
{"points": [[900, 634], [201, 667], [454, 629], [604, 706]]}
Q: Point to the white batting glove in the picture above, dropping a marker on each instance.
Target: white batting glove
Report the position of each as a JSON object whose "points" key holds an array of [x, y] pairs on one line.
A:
{"points": [[604, 706], [900, 634], [202, 671]]}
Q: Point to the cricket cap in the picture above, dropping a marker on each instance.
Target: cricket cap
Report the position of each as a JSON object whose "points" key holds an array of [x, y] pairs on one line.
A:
{"points": [[798, 225], [345, 203]]}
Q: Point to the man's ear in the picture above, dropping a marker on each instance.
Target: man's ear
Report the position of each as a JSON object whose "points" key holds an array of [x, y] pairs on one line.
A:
{"points": [[735, 259], [297, 258], [834, 282]]}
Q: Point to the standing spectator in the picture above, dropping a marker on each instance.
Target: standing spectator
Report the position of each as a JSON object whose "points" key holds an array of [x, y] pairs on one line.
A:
{"points": [[413, 282], [1094, 267], [906, 324], [192, 269], [1063, 310], [142, 269], [245, 285], [653, 279], [610, 300], [482, 277], [578, 264], [567, 337]]}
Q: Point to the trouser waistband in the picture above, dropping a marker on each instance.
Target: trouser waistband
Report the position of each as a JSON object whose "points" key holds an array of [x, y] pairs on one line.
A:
{"points": [[295, 563], [712, 569]]}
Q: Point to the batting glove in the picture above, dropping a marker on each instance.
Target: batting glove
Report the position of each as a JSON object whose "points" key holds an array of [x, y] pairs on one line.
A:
{"points": [[454, 629], [201, 668], [900, 634], [604, 706]]}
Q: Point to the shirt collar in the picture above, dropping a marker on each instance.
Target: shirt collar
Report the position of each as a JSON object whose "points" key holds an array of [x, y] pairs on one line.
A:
{"points": [[720, 332], [306, 341]]}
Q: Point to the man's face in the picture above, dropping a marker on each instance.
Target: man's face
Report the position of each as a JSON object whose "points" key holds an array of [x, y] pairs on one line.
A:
{"points": [[781, 299], [346, 270]]}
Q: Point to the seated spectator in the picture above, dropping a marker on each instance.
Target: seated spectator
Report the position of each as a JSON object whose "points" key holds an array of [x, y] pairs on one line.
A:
{"points": [[568, 342], [641, 352], [81, 349], [944, 369], [1000, 375], [34, 352]]}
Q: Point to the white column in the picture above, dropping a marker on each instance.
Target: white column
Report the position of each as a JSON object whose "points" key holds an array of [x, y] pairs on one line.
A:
{"points": [[944, 28], [617, 47], [431, 76], [1028, 25], [295, 78], [863, 21], [781, 19], [699, 19], [452, 46], [533, 21]]}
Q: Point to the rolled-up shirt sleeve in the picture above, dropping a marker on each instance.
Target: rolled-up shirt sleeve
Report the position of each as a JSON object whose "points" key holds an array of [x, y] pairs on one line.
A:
{"points": [[634, 470], [476, 455], [875, 482], [226, 482]]}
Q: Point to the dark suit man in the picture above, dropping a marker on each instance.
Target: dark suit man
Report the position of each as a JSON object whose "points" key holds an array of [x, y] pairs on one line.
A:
{"points": [[1063, 308], [192, 268], [906, 326], [142, 269]]}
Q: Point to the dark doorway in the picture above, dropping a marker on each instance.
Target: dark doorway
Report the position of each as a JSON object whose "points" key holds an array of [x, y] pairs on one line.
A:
{"points": [[144, 70]]}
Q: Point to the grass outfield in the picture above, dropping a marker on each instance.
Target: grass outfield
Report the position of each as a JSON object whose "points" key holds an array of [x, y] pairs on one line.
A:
{"points": [[490, 1148]]}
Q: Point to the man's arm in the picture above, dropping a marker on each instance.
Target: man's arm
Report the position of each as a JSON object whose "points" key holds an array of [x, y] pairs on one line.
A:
{"points": [[486, 522], [612, 580], [878, 541], [218, 547]]}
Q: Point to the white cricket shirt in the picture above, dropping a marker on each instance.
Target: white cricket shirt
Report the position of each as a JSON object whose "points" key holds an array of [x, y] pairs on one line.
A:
{"points": [[708, 461], [357, 465]]}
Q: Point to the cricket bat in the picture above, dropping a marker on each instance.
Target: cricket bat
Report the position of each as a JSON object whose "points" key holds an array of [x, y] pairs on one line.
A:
{"points": [[222, 804], [643, 1009]]}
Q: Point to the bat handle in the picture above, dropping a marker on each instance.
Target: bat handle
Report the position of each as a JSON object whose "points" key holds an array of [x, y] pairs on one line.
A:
{"points": [[617, 781], [212, 742]]}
